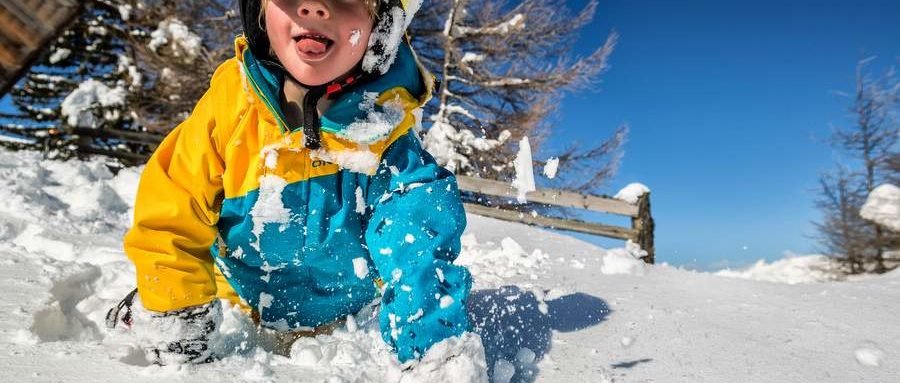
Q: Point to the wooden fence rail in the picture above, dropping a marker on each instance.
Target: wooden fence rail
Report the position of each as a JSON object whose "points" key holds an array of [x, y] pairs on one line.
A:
{"points": [[640, 232]]}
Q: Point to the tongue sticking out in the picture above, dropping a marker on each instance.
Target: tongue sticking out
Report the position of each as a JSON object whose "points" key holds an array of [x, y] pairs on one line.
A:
{"points": [[312, 46]]}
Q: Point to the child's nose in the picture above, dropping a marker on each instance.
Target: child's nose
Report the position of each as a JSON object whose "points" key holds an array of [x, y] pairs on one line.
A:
{"points": [[314, 9]]}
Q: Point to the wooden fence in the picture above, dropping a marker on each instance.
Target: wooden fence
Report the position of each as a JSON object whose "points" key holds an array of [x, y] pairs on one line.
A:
{"points": [[27, 27], [641, 230]]}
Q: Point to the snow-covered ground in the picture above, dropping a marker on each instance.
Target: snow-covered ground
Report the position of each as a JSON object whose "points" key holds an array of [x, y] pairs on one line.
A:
{"points": [[549, 308]]}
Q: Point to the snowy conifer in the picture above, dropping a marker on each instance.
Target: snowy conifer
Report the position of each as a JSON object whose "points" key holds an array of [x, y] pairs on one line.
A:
{"points": [[86, 57], [871, 148], [503, 69]]}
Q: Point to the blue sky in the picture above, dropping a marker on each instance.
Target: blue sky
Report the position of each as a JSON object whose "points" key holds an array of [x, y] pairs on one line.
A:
{"points": [[729, 103]]}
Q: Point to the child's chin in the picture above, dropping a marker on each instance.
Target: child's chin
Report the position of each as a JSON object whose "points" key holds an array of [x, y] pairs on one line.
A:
{"points": [[311, 75]]}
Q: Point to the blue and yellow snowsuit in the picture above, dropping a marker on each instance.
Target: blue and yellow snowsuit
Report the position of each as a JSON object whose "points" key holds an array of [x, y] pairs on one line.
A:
{"points": [[198, 233]]}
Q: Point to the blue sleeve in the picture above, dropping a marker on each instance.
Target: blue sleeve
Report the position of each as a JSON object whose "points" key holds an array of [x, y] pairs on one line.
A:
{"points": [[413, 236]]}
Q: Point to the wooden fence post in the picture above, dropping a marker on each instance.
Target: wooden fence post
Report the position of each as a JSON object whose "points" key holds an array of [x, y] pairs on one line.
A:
{"points": [[643, 225]]}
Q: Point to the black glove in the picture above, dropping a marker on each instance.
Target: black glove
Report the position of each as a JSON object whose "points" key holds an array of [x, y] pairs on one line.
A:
{"points": [[173, 337]]}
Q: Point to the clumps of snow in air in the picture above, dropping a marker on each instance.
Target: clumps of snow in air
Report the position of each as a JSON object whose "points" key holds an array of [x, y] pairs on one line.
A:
{"points": [[58, 55], [269, 207], [378, 124], [883, 207], [79, 108], [175, 36], [792, 269], [551, 167], [632, 192], [524, 181]]}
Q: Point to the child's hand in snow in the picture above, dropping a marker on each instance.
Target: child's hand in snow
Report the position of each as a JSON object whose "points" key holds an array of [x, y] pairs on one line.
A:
{"points": [[173, 337], [456, 359]]}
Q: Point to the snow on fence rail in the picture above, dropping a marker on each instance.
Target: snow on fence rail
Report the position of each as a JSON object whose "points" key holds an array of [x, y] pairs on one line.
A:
{"points": [[640, 232], [26, 29]]}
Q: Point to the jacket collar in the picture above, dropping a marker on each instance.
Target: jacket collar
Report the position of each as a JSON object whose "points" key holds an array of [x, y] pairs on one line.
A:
{"points": [[266, 81]]}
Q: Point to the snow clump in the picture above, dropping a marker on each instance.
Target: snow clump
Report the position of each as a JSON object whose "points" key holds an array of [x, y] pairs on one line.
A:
{"points": [[551, 167], [883, 207], [524, 181], [791, 270], [78, 107], [625, 260], [632, 192], [172, 33]]}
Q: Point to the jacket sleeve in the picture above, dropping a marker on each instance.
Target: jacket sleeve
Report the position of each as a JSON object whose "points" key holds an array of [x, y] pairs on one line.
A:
{"points": [[413, 236], [176, 211]]}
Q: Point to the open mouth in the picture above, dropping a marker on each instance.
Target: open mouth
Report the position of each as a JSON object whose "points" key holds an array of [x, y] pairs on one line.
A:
{"points": [[313, 45]]}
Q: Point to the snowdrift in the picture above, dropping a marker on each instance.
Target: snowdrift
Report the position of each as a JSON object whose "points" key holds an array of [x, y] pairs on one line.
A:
{"points": [[548, 308]]}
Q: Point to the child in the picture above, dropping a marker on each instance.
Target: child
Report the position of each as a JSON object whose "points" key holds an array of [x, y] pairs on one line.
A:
{"points": [[301, 216]]}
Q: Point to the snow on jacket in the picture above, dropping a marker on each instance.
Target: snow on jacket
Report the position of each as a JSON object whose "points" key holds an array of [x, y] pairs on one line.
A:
{"points": [[232, 205]]}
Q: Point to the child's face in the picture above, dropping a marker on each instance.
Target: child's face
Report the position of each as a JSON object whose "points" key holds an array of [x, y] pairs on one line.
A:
{"points": [[317, 41]]}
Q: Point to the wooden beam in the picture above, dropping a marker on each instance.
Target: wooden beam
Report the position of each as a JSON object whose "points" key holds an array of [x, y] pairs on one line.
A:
{"points": [[14, 28], [549, 196], [556, 223], [8, 56], [23, 60], [644, 226]]}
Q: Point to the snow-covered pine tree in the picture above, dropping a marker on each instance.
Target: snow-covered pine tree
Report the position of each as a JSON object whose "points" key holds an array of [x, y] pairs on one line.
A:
{"points": [[83, 67], [177, 46], [504, 67], [130, 65]]}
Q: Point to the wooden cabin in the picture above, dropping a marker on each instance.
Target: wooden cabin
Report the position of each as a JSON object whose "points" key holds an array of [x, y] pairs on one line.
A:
{"points": [[26, 29]]}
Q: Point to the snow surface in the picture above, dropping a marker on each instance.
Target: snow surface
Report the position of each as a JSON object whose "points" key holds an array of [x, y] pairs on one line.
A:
{"points": [[883, 206], [548, 308], [632, 192], [792, 269]]}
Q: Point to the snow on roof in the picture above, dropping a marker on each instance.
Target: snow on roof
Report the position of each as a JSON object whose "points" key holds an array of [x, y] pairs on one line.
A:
{"points": [[883, 206]]}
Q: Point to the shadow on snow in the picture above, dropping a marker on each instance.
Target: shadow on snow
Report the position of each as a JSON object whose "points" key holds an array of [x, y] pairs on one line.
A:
{"points": [[510, 319]]}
